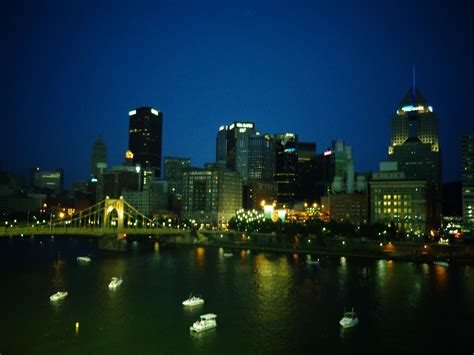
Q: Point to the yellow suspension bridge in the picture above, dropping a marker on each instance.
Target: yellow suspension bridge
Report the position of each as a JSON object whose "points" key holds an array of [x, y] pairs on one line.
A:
{"points": [[105, 218]]}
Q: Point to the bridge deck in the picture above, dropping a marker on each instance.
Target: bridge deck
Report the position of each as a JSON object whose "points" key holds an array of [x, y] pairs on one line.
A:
{"points": [[46, 230]]}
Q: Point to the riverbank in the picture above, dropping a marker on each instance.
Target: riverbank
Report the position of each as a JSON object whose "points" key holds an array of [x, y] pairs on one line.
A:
{"points": [[403, 251]]}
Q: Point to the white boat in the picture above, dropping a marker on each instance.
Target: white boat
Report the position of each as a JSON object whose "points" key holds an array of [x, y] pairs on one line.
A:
{"points": [[349, 320], [84, 259], [207, 321], [312, 262], [58, 296], [193, 301], [228, 254], [116, 282], [441, 263]]}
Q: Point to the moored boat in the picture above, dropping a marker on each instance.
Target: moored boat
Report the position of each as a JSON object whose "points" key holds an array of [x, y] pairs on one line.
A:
{"points": [[58, 296], [193, 301], [116, 282], [84, 259], [206, 322], [349, 319]]}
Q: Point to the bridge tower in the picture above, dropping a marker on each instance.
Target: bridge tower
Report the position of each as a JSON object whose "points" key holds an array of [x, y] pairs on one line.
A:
{"points": [[113, 213]]}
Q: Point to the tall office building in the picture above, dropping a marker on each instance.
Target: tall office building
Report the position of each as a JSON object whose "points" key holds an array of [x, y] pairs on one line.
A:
{"points": [[415, 145], [344, 177], [261, 158], [286, 167], [400, 202], [221, 147], [261, 168], [324, 173], [151, 200], [173, 170], [232, 147], [145, 138], [306, 151], [211, 195], [99, 155], [47, 180], [346, 199], [306, 180], [414, 139], [114, 182], [467, 147]]}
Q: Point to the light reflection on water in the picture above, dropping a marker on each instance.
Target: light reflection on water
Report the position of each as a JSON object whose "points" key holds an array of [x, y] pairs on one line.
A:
{"points": [[200, 256], [58, 277]]}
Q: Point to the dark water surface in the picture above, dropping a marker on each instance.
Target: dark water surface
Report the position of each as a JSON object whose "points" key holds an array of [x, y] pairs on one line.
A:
{"points": [[265, 303]]}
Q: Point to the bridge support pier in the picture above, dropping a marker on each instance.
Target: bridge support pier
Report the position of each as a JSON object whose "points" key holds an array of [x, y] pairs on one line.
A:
{"points": [[112, 242]]}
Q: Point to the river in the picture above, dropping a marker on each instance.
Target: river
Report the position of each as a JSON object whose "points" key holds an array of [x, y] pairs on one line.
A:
{"points": [[265, 303]]}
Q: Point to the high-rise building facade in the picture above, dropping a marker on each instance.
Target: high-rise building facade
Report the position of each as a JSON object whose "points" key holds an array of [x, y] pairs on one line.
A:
{"points": [[324, 171], [145, 138], [261, 158], [173, 170], [415, 145], [47, 180], [211, 195], [467, 148], [148, 201], [414, 119], [306, 180], [221, 147], [351, 208], [414, 139], [113, 183], [402, 203], [260, 184], [286, 167], [306, 151], [232, 146], [346, 198], [99, 155]]}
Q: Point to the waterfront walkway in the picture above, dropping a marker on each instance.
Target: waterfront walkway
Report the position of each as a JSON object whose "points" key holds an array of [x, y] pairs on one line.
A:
{"points": [[406, 251]]}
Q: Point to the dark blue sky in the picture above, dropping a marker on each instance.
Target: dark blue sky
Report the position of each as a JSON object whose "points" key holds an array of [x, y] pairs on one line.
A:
{"points": [[73, 70]]}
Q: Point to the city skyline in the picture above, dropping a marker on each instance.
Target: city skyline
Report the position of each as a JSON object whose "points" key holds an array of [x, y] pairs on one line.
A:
{"points": [[69, 99]]}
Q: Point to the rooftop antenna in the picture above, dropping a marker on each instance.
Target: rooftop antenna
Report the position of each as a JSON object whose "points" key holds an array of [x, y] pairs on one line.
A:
{"points": [[413, 93]]}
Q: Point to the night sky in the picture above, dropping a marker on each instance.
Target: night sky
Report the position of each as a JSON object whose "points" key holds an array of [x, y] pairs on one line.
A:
{"points": [[71, 71]]}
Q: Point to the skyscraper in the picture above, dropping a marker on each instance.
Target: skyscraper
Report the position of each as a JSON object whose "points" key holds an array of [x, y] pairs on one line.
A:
{"points": [[261, 158], [414, 139], [145, 138], [211, 195], [173, 170], [221, 147], [400, 202], [286, 167], [232, 147], [415, 145], [324, 171], [99, 155], [467, 147], [306, 151], [47, 180], [261, 168], [306, 180]]}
